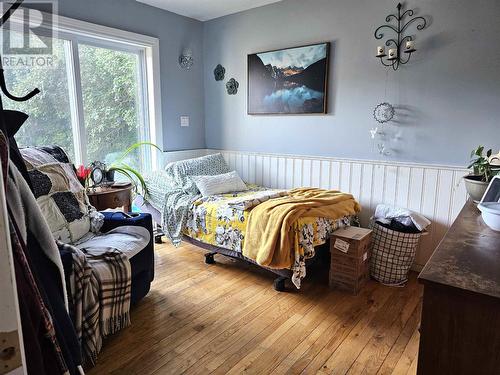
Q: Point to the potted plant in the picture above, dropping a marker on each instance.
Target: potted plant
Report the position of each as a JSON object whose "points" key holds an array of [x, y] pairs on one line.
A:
{"points": [[477, 182], [120, 166]]}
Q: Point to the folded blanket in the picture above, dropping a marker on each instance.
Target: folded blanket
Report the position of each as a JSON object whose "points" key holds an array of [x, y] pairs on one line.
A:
{"points": [[270, 237], [99, 294], [84, 304]]}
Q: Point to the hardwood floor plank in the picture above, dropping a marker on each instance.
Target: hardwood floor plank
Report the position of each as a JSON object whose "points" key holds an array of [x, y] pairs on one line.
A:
{"points": [[160, 321], [350, 328], [228, 349], [189, 329], [401, 342], [273, 356], [257, 360], [409, 355], [226, 318], [343, 358], [385, 335], [311, 345], [337, 322], [182, 356]]}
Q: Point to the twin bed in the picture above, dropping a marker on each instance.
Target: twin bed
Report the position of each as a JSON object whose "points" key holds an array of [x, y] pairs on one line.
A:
{"points": [[219, 222]]}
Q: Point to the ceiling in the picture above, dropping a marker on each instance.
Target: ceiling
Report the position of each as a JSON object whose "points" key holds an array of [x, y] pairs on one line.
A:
{"points": [[205, 10]]}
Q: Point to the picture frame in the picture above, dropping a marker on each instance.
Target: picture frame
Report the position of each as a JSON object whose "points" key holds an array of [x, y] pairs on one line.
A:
{"points": [[289, 81]]}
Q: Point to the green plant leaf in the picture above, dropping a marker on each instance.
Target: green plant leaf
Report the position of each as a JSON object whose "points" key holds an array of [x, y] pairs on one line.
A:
{"points": [[132, 148], [488, 153], [479, 150], [126, 174], [129, 172], [473, 162]]}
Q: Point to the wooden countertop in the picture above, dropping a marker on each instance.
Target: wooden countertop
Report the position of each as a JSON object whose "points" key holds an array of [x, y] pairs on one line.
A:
{"points": [[468, 257]]}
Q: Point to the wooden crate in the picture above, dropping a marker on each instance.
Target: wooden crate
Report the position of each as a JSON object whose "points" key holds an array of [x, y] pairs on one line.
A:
{"points": [[350, 258]]}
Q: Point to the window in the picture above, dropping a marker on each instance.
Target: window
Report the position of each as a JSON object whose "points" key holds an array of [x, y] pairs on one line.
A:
{"points": [[49, 112], [95, 100], [113, 78]]}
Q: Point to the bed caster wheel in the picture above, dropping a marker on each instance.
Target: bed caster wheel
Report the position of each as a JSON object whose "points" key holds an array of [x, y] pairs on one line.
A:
{"points": [[209, 258], [279, 284], [158, 239]]}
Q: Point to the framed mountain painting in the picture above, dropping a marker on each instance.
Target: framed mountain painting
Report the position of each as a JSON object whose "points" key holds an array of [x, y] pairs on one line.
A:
{"points": [[289, 81]]}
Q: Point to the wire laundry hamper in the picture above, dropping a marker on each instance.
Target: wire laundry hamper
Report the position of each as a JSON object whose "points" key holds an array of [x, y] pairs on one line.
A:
{"points": [[393, 253]]}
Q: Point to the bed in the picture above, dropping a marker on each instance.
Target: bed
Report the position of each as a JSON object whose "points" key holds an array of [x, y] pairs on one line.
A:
{"points": [[218, 222]]}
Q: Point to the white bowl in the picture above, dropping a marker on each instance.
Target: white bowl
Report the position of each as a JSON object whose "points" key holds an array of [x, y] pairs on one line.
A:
{"points": [[490, 211]]}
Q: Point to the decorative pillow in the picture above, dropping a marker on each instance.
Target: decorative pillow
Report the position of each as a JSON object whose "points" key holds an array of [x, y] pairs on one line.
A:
{"points": [[59, 194], [179, 172], [219, 184]]}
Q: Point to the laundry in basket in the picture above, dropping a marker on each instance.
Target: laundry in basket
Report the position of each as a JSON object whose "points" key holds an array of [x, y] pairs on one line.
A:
{"points": [[396, 233]]}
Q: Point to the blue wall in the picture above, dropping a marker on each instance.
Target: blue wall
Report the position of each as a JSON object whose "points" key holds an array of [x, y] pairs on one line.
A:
{"points": [[447, 98], [182, 91]]}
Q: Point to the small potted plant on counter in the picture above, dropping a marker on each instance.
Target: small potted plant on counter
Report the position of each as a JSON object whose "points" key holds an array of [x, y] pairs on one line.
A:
{"points": [[482, 172]]}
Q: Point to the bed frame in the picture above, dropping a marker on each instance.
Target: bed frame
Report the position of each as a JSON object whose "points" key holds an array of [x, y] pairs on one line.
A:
{"points": [[279, 283]]}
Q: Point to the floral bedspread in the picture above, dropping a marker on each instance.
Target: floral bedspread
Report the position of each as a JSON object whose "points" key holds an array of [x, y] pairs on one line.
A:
{"points": [[215, 220]]}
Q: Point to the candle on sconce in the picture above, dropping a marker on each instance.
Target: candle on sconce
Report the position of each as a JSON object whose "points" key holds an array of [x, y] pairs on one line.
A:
{"points": [[393, 53], [410, 45], [380, 51]]}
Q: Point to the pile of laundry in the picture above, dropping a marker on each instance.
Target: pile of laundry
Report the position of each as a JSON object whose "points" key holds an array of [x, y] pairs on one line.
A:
{"points": [[400, 219]]}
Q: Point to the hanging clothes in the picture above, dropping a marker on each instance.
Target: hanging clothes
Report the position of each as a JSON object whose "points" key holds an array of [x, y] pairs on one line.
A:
{"points": [[13, 121], [42, 349], [50, 344], [43, 354], [45, 263]]}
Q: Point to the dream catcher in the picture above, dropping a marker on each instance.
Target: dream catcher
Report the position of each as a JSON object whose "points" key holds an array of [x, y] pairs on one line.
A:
{"points": [[383, 113]]}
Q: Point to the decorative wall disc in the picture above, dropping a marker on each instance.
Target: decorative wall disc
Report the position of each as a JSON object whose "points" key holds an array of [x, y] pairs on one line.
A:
{"points": [[232, 86], [219, 72], [383, 112]]}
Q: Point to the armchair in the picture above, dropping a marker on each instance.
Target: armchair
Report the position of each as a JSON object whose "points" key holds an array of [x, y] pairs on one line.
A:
{"points": [[142, 264], [65, 206]]}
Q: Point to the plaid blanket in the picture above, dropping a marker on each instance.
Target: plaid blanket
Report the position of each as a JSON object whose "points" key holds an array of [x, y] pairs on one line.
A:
{"points": [[99, 295]]}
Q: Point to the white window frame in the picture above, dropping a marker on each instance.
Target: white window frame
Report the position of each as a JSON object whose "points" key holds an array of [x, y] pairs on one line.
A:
{"points": [[99, 35]]}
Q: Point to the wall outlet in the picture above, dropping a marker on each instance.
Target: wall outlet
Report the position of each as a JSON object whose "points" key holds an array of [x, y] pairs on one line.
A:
{"points": [[184, 120]]}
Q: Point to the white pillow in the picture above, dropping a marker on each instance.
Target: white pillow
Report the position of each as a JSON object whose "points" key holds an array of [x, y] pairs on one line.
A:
{"points": [[219, 184]]}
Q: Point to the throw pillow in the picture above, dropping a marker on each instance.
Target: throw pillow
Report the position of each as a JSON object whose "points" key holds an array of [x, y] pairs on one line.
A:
{"points": [[219, 184]]}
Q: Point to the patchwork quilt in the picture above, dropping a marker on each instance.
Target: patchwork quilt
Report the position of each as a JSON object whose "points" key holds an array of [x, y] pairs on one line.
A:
{"points": [[59, 194]]}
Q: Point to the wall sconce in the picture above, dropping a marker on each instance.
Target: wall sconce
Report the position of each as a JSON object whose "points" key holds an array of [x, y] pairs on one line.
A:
{"points": [[186, 60], [402, 45]]}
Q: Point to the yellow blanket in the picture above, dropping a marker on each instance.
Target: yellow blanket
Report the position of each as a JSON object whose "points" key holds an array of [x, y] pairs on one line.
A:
{"points": [[270, 238]]}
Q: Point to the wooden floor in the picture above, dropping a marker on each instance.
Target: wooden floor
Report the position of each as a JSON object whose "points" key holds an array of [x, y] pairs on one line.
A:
{"points": [[227, 319]]}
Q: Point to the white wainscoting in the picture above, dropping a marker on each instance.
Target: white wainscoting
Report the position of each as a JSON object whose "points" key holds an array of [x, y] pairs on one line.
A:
{"points": [[436, 191]]}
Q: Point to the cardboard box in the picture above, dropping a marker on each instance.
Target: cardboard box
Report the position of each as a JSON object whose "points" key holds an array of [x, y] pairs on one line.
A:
{"points": [[350, 258]]}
